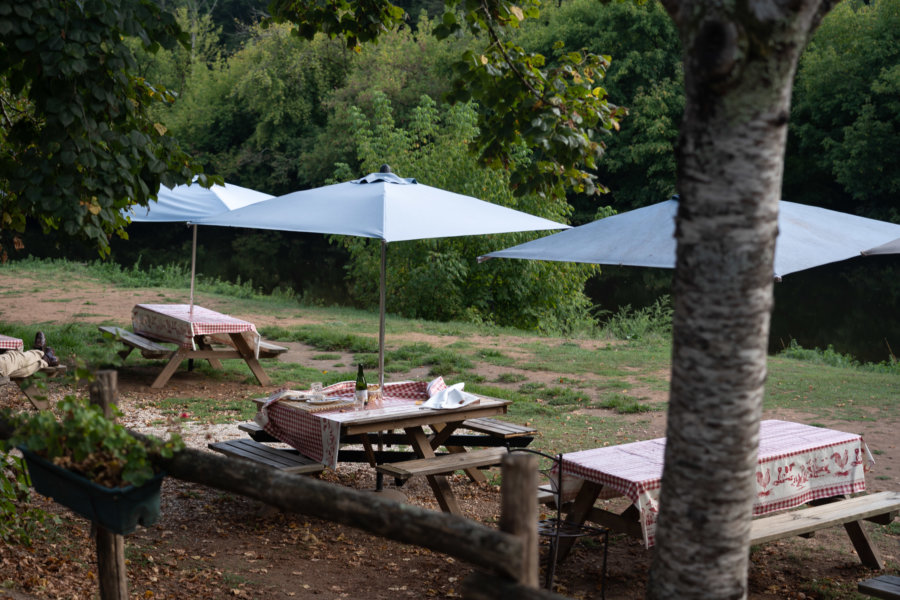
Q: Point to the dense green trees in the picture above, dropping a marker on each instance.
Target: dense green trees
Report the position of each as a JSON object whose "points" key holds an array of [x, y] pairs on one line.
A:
{"points": [[844, 150], [78, 140]]}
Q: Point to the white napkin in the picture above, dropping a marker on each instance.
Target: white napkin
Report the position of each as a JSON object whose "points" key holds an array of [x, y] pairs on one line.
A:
{"points": [[452, 397]]}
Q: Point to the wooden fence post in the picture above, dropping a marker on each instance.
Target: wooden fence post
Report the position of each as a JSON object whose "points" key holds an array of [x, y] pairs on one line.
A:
{"points": [[519, 510], [110, 546]]}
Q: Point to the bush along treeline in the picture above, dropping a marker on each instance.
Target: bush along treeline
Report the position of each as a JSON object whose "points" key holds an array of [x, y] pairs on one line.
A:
{"points": [[275, 112]]}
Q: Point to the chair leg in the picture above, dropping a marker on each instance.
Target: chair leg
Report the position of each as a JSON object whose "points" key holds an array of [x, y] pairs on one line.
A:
{"points": [[605, 538], [551, 562]]}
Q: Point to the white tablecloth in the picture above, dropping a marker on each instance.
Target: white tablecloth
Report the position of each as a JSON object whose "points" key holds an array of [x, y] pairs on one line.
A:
{"points": [[178, 323]]}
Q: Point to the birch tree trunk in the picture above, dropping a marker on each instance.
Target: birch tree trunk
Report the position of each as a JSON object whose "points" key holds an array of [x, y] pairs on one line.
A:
{"points": [[739, 62]]}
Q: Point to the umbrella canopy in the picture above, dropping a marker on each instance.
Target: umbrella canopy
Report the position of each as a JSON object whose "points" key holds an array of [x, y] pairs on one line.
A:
{"points": [[185, 203], [386, 207], [807, 237], [889, 248], [383, 206]]}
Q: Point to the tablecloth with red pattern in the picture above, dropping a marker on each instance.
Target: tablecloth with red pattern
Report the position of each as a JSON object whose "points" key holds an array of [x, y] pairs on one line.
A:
{"points": [[317, 435], [10, 343], [179, 323], [797, 463]]}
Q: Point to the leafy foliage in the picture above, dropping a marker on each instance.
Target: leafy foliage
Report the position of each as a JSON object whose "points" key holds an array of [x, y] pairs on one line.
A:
{"points": [[253, 117], [18, 517], [88, 443], [78, 144], [644, 75], [845, 135], [557, 112]]}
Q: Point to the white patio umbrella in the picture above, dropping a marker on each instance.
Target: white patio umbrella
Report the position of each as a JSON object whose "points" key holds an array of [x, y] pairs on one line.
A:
{"points": [[808, 236], [185, 203], [383, 206]]}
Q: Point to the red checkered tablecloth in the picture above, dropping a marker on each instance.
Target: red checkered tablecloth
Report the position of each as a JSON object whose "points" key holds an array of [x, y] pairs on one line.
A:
{"points": [[797, 463], [317, 435], [10, 343], [179, 323]]}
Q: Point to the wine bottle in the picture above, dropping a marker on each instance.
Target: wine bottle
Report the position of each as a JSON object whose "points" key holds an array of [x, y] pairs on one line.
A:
{"points": [[362, 390]]}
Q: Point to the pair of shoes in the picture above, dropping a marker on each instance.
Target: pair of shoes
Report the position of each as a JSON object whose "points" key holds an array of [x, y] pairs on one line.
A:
{"points": [[40, 341], [50, 357]]}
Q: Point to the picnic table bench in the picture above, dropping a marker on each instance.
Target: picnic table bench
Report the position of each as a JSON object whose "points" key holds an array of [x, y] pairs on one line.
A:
{"points": [[443, 464], [881, 507], [30, 390], [132, 341], [287, 460], [886, 587]]}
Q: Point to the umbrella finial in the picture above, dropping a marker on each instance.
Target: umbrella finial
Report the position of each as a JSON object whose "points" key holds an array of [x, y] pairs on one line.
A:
{"points": [[385, 169]]}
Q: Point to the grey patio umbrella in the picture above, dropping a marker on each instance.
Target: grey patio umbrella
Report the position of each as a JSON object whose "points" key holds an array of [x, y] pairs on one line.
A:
{"points": [[889, 248], [808, 236], [383, 206], [185, 203]]}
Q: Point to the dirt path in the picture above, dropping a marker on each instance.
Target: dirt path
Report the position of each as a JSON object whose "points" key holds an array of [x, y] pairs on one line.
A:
{"points": [[214, 545]]}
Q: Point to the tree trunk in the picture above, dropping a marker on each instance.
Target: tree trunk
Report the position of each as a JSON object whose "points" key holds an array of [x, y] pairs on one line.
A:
{"points": [[739, 64]]}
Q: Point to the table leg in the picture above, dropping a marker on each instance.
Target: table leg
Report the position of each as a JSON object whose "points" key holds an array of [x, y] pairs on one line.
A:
{"points": [[581, 508], [868, 553], [247, 352], [439, 484], [213, 362], [170, 368]]}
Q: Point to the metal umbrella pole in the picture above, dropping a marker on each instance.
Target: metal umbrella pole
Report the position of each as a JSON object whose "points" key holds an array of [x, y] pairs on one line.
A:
{"points": [[193, 274], [379, 476]]}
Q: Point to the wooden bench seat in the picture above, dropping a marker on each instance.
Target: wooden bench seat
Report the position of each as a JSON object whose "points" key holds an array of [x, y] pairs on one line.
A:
{"points": [[444, 464], [881, 507], [31, 391], [497, 428], [886, 587], [148, 348], [256, 432], [286, 460], [266, 349]]}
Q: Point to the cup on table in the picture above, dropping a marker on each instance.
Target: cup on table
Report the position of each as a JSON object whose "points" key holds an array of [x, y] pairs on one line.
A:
{"points": [[317, 394]]}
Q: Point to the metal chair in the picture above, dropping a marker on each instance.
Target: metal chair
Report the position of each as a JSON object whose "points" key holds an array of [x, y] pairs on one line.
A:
{"points": [[557, 527]]}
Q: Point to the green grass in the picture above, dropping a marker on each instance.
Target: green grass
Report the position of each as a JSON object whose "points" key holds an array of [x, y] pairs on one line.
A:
{"points": [[202, 410], [850, 393], [613, 378], [626, 405]]}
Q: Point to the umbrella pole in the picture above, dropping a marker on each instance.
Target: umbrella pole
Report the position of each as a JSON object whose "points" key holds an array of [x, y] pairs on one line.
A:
{"points": [[379, 477], [381, 322], [193, 268]]}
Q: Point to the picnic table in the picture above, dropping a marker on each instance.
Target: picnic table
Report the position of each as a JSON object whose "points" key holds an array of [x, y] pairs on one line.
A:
{"points": [[317, 431], [797, 464], [193, 330]]}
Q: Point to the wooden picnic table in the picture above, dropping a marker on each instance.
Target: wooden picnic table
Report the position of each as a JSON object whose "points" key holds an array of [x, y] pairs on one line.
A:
{"points": [[317, 431], [797, 464], [192, 328]]}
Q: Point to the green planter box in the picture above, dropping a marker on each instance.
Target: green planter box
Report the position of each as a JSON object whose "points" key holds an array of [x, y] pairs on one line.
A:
{"points": [[117, 509]]}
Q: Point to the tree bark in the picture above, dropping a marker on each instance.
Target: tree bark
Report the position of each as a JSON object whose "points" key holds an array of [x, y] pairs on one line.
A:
{"points": [[739, 61]]}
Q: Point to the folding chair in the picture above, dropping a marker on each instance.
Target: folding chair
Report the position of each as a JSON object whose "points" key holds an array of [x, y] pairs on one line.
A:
{"points": [[557, 527]]}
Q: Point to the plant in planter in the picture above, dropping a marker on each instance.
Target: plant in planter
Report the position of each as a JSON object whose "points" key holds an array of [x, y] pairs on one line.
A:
{"points": [[92, 465]]}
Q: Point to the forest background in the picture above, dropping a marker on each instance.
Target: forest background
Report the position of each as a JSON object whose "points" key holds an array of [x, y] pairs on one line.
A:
{"points": [[277, 113]]}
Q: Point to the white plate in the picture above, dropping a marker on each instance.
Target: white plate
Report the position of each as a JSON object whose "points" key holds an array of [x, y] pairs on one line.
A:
{"points": [[329, 400]]}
